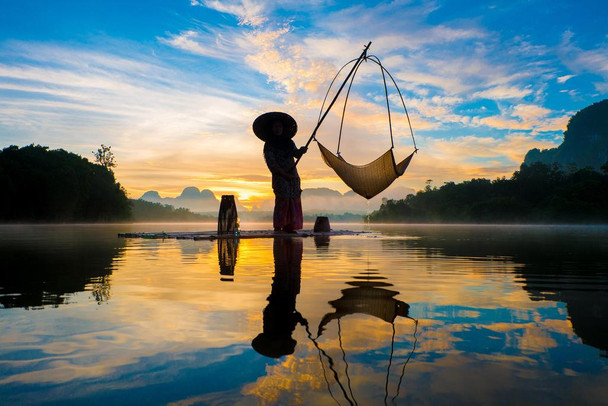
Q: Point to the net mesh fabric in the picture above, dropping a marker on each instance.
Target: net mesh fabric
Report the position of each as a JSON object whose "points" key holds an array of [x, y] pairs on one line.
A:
{"points": [[366, 180]]}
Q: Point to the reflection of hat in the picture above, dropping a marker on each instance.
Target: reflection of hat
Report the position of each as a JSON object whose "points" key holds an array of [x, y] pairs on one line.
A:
{"points": [[262, 126], [273, 346]]}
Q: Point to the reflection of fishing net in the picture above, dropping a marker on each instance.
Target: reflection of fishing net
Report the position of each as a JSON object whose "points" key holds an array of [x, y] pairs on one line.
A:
{"points": [[366, 298], [370, 179]]}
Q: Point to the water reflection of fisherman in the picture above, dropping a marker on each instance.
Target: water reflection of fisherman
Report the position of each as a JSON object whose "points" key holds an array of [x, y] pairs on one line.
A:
{"points": [[281, 316]]}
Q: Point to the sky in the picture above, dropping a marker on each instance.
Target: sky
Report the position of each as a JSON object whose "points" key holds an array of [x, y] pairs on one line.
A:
{"points": [[174, 86]]}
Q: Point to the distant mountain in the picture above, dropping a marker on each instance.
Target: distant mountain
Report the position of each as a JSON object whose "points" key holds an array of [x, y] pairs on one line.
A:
{"points": [[143, 211], [328, 201], [324, 200], [314, 201], [321, 192], [193, 199], [585, 141]]}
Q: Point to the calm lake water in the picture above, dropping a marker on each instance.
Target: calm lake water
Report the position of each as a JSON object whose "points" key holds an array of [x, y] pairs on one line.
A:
{"points": [[400, 315]]}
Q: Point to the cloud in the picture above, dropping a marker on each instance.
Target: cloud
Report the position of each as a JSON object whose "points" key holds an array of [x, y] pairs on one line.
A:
{"points": [[580, 60], [396, 25], [248, 12], [172, 112], [530, 112], [289, 66], [433, 68], [144, 109], [503, 92], [565, 78], [468, 150], [529, 117], [224, 44]]}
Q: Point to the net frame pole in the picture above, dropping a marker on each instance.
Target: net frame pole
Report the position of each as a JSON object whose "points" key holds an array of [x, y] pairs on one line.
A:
{"points": [[314, 132]]}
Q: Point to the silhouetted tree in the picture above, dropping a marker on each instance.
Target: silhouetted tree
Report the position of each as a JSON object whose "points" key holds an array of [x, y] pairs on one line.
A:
{"points": [[604, 168], [105, 157], [585, 141], [540, 192], [39, 184], [537, 193]]}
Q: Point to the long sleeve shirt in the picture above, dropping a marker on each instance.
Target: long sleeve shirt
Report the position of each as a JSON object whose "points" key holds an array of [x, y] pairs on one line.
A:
{"points": [[283, 157]]}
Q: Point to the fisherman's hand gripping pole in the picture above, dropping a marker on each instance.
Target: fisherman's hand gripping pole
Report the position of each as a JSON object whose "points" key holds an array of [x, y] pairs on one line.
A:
{"points": [[314, 132]]}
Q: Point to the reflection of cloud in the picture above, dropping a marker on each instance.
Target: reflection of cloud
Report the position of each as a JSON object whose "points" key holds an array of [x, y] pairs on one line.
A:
{"points": [[168, 320], [150, 314], [289, 382]]}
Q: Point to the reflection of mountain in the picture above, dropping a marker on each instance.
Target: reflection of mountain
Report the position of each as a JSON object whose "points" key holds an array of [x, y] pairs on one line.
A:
{"points": [[47, 264], [558, 265]]}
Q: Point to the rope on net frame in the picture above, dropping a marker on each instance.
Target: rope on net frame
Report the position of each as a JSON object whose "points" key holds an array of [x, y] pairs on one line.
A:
{"points": [[347, 390], [370, 179], [373, 299]]}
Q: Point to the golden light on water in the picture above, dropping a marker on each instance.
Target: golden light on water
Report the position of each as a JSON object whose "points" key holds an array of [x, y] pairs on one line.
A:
{"points": [[361, 317]]}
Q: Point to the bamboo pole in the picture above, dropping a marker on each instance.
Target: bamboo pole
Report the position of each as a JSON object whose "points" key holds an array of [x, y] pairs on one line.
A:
{"points": [[314, 132]]}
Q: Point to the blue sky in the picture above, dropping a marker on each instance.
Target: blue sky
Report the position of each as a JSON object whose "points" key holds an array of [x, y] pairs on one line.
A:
{"points": [[173, 86]]}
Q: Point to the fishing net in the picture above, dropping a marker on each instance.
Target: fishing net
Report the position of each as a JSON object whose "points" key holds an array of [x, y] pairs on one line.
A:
{"points": [[367, 180], [370, 179]]}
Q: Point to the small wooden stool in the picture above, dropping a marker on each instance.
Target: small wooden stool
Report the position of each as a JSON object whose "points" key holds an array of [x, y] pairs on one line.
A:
{"points": [[322, 225], [227, 219]]}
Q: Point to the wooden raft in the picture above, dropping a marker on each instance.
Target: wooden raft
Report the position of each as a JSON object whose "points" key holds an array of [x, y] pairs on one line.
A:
{"points": [[212, 235]]}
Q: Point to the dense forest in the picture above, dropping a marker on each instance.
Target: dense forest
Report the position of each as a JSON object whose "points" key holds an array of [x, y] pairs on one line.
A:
{"points": [[42, 185], [585, 142], [537, 193], [567, 184]]}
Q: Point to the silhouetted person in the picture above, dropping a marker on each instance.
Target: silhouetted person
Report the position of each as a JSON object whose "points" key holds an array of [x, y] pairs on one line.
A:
{"points": [[276, 130], [281, 316]]}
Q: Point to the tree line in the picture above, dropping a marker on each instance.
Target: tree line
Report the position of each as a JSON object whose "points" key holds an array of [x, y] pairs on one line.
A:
{"points": [[42, 185], [537, 193], [56, 186]]}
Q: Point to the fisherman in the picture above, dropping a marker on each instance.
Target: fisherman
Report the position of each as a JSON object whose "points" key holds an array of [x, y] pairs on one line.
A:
{"points": [[277, 129]]}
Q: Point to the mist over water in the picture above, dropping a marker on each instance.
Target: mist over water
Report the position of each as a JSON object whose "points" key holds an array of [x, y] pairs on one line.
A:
{"points": [[397, 315]]}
